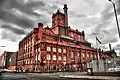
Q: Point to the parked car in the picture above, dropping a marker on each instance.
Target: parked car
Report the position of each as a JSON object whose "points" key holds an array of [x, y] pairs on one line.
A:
{"points": [[111, 70], [117, 68]]}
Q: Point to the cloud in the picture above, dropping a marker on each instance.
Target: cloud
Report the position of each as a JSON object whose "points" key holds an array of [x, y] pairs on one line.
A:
{"points": [[117, 47], [23, 7], [26, 17], [13, 29], [118, 6], [7, 35], [18, 20], [18, 17]]}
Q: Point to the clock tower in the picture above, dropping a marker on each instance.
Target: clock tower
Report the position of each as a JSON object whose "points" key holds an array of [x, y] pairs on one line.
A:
{"points": [[60, 22]]}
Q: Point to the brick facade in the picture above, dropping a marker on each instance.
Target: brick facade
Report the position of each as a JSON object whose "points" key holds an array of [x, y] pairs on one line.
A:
{"points": [[57, 48]]}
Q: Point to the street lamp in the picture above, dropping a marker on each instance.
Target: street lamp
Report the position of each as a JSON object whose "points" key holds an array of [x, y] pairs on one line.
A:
{"points": [[115, 16]]}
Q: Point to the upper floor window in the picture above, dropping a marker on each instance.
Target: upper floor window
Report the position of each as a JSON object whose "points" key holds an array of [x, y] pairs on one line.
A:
{"points": [[64, 58], [38, 48], [72, 35], [59, 58], [78, 55], [72, 55], [64, 50], [39, 58], [48, 49], [48, 57], [54, 57], [54, 49], [87, 55], [59, 50], [83, 54], [36, 57]]}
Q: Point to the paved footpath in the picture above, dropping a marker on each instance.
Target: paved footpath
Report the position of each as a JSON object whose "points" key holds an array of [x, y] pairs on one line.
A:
{"points": [[91, 77], [76, 75]]}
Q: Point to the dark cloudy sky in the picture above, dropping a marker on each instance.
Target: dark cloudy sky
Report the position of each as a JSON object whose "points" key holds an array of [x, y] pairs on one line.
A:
{"points": [[95, 17]]}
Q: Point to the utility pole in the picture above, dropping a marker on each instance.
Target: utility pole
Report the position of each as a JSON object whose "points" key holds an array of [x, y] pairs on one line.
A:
{"points": [[115, 12]]}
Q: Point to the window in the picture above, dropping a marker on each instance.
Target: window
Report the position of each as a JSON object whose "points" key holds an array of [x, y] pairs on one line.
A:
{"points": [[39, 57], [48, 49], [59, 58], [39, 49], [10, 60], [95, 56], [64, 58], [64, 50], [72, 35], [54, 57], [83, 54], [28, 62], [36, 58], [72, 55], [59, 50], [87, 55], [48, 57], [54, 49], [78, 55]]}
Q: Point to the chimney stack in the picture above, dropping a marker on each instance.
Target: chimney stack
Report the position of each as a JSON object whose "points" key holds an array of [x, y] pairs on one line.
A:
{"points": [[66, 15], [40, 25], [83, 33], [110, 47], [40, 30]]}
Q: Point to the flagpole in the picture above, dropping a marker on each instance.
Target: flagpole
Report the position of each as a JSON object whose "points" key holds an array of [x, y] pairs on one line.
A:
{"points": [[97, 54]]}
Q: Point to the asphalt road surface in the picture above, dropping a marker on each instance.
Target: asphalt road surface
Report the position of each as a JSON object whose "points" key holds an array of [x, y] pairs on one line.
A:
{"points": [[33, 76]]}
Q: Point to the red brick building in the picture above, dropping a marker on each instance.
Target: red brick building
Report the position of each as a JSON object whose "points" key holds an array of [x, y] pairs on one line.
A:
{"points": [[57, 48]]}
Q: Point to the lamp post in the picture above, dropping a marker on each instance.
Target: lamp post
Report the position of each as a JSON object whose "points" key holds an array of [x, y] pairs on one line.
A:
{"points": [[115, 16]]}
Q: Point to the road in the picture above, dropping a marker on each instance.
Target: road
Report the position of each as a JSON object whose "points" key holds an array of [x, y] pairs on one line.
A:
{"points": [[31, 76], [37, 76]]}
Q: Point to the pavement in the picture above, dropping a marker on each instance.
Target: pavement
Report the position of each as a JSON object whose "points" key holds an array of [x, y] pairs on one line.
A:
{"points": [[60, 74], [83, 75], [34, 76], [91, 77], [54, 76], [77, 75]]}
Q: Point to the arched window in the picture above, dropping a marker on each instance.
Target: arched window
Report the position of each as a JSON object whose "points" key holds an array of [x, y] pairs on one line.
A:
{"points": [[64, 58], [48, 57], [72, 55], [36, 58], [39, 58], [83, 54], [91, 55], [54, 57], [79, 55], [54, 49], [59, 50], [59, 58], [64, 50], [48, 49]]}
